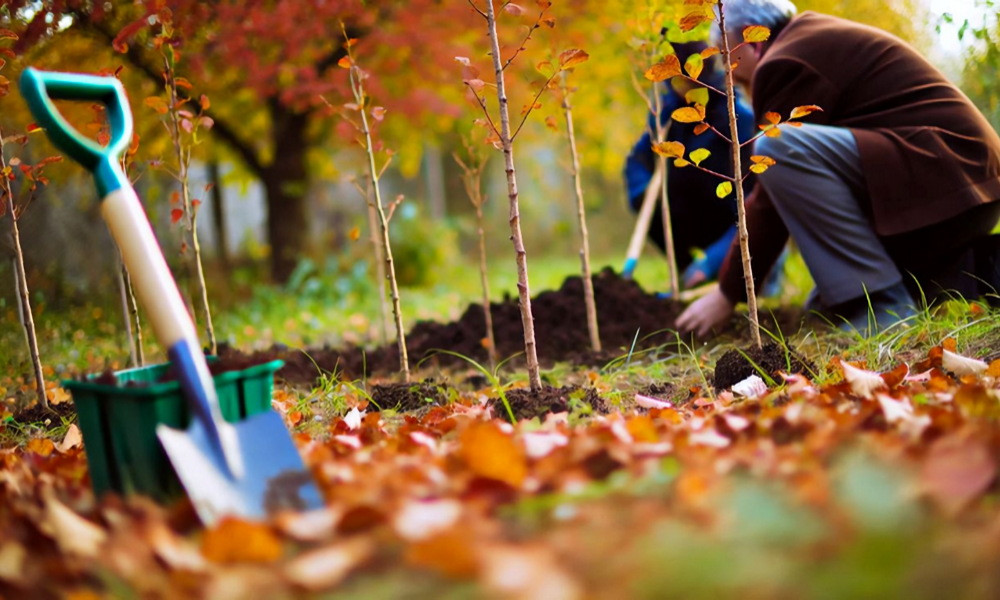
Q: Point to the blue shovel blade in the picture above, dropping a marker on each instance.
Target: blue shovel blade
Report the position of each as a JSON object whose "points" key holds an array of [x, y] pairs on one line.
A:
{"points": [[274, 477]]}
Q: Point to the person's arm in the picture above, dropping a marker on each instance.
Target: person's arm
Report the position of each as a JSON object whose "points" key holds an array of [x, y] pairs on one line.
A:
{"points": [[767, 236], [707, 267]]}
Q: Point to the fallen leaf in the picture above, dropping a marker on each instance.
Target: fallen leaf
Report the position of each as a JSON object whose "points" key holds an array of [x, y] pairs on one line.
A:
{"points": [[862, 382], [353, 418], [962, 365], [647, 402], [234, 540], [12, 557], [71, 532], [453, 552], [491, 453], [72, 439], [751, 387], [958, 469], [328, 566], [527, 573], [419, 520], [538, 444]]}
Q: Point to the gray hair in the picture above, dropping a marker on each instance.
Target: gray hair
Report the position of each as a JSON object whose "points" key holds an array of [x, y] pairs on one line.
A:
{"points": [[773, 14]]}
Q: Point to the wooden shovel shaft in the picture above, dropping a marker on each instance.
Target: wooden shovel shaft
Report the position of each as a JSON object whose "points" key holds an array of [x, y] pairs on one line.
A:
{"points": [[150, 274], [644, 219]]}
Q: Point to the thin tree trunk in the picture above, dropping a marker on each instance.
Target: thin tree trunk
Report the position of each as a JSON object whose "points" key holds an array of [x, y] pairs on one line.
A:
{"points": [[491, 341], [133, 355], [25, 305], [17, 296], [219, 215], [668, 227], [434, 177], [383, 221], [523, 287], [741, 212], [134, 310], [190, 211], [581, 213], [380, 274]]}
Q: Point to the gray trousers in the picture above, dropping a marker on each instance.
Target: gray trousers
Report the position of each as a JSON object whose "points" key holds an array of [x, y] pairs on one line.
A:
{"points": [[817, 187]]}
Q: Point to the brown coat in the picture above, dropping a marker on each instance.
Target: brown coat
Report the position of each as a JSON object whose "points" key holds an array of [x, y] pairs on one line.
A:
{"points": [[926, 151]]}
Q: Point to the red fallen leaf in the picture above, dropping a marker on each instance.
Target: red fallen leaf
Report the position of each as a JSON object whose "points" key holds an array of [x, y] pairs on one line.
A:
{"points": [[958, 469], [896, 376], [234, 540], [491, 453]]}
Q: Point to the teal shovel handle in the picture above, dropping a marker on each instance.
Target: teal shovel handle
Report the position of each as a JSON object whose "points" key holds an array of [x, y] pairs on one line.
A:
{"points": [[40, 88]]}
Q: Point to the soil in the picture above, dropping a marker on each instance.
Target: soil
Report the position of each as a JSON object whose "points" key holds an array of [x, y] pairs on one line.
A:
{"points": [[526, 404], [734, 366], [626, 313], [405, 397], [38, 414]]}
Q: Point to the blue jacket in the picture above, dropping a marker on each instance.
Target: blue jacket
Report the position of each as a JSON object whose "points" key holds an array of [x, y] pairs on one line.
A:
{"points": [[700, 219]]}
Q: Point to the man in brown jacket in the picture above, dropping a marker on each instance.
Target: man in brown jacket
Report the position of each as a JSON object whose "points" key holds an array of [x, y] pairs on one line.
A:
{"points": [[891, 186]]}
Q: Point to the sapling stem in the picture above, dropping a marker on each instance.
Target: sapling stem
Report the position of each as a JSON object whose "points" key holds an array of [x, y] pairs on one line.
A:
{"points": [[581, 214], [660, 132], [741, 213], [20, 277], [472, 174], [357, 87], [523, 287], [133, 355], [380, 277], [183, 156]]}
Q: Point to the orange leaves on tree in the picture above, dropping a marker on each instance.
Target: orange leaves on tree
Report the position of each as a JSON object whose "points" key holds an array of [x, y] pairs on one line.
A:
{"points": [[756, 33], [514, 9], [669, 67], [694, 65], [669, 149], [761, 163], [800, 111], [689, 114], [234, 540], [158, 104], [572, 57], [176, 215], [345, 62], [493, 454]]}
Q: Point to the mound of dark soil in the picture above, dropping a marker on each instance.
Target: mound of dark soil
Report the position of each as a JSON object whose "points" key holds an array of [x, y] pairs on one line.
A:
{"points": [[624, 310], [405, 397], [736, 365], [526, 404]]}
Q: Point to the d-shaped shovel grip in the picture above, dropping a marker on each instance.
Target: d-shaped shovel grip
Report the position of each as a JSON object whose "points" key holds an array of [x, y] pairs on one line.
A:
{"points": [[40, 88], [121, 209]]}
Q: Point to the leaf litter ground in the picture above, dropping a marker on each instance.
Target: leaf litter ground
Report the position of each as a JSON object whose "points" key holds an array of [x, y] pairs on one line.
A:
{"points": [[847, 483]]}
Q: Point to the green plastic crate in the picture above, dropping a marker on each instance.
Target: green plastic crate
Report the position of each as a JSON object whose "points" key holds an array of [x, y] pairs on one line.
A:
{"points": [[119, 423]]}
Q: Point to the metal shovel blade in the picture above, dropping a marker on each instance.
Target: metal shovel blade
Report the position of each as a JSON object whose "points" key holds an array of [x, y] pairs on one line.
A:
{"points": [[274, 477]]}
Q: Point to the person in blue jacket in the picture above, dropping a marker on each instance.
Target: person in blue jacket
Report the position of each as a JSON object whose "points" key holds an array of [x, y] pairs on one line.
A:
{"points": [[700, 219]]}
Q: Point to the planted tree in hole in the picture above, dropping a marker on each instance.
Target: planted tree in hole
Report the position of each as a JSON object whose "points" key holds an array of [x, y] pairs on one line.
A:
{"points": [[702, 11], [502, 135], [472, 178], [186, 123], [567, 60], [15, 173], [361, 108]]}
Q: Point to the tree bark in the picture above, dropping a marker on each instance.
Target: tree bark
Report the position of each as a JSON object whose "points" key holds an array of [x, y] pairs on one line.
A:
{"points": [[523, 287], [741, 211], [219, 215], [285, 183]]}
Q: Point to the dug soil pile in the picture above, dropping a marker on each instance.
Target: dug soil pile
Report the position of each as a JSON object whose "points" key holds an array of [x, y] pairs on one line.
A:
{"points": [[626, 313]]}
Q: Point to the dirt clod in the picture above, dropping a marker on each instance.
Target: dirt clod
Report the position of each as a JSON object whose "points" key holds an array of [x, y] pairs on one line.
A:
{"points": [[737, 364]]}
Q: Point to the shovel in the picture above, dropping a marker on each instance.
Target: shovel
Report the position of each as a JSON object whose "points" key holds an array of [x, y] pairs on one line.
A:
{"points": [[250, 469], [642, 222]]}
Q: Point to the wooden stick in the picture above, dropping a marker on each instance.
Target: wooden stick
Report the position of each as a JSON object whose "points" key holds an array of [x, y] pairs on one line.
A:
{"points": [[643, 221]]}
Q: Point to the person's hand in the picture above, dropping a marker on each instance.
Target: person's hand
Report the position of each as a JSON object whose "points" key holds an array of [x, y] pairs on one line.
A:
{"points": [[705, 313]]}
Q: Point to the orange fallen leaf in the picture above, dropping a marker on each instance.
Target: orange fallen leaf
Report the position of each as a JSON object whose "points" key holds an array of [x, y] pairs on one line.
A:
{"points": [[40, 446], [234, 540], [325, 567], [491, 453]]}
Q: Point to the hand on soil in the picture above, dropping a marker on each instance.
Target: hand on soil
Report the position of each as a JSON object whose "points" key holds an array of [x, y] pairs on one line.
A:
{"points": [[705, 313]]}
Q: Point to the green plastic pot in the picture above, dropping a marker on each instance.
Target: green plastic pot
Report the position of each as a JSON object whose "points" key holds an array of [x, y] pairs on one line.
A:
{"points": [[119, 422]]}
